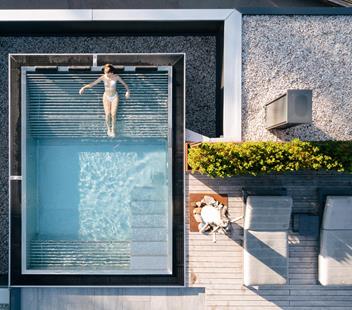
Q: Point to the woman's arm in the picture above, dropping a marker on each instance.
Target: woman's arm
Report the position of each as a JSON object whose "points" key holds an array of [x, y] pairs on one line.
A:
{"points": [[127, 95], [90, 85]]}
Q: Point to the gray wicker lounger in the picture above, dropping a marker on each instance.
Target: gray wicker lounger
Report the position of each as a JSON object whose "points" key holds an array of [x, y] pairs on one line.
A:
{"points": [[266, 223], [335, 258]]}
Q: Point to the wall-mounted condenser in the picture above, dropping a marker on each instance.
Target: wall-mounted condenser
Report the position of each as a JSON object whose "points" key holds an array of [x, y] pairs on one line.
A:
{"points": [[291, 109]]}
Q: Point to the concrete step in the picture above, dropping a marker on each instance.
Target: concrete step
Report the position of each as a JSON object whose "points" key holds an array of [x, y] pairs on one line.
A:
{"points": [[154, 193], [144, 207], [149, 234], [148, 248], [149, 221]]}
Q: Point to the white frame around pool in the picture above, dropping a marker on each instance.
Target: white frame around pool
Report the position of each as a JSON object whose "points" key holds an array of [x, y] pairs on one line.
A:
{"points": [[24, 268]]}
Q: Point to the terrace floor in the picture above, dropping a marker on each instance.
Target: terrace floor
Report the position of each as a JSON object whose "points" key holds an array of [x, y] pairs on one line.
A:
{"points": [[218, 266], [214, 270]]}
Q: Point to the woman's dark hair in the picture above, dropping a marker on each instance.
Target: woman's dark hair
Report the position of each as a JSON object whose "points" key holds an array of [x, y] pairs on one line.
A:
{"points": [[112, 69]]}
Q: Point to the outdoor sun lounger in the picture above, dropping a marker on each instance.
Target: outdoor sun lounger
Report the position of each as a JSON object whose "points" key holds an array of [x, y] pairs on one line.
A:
{"points": [[266, 223], [335, 258]]}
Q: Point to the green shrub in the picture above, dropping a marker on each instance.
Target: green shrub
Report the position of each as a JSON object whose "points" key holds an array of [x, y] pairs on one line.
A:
{"points": [[230, 159]]}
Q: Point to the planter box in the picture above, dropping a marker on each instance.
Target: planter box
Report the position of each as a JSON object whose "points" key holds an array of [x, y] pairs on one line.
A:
{"points": [[193, 198], [186, 148]]}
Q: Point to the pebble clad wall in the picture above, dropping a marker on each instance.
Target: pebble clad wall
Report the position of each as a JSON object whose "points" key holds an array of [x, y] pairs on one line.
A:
{"points": [[200, 86], [298, 52]]}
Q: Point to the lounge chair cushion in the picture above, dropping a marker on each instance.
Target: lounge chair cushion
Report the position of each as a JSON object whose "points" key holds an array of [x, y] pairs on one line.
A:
{"points": [[338, 213], [265, 257], [268, 213], [335, 258]]}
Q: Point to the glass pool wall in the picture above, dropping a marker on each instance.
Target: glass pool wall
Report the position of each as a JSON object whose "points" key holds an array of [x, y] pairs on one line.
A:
{"points": [[91, 203]]}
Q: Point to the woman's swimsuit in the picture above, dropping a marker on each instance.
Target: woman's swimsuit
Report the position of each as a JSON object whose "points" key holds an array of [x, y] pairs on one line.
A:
{"points": [[109, 84], [111, 98]]}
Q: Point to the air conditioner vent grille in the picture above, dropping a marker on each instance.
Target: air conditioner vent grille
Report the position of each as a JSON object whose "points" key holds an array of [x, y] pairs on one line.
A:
{"points": [[291, 109]]}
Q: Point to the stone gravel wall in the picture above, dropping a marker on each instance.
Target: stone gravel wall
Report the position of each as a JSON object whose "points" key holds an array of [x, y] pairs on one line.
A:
{"points": [[200, 86], [298, 52]]}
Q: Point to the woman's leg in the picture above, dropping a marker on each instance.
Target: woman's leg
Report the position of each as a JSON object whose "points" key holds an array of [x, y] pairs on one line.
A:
{"points": [[114, 106], [107, 110]]}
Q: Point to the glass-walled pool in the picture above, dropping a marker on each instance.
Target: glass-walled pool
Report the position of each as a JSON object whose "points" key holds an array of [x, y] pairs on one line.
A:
{"points": [[93, 204]]}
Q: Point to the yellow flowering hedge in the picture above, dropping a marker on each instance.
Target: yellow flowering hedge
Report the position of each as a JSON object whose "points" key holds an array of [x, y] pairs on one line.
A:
{"points": [[230, 159]]}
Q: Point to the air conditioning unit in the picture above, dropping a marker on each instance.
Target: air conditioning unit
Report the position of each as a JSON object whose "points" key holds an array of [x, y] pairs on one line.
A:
{"points": [[291, 109], [345, 3]]}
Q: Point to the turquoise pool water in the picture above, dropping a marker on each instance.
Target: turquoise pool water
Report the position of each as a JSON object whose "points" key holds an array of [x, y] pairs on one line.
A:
{"points": [[86, 189], [93, 196]]}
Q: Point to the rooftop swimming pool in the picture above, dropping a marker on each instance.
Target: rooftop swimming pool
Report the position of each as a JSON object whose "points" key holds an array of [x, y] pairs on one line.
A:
{"points": [[92, 204]]}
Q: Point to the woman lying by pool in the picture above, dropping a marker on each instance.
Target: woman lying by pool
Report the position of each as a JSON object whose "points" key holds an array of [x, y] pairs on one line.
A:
{"points": [[110, 97]]}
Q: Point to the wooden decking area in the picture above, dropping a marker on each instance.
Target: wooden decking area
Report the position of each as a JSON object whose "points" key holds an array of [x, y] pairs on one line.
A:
{"points": [[214, 270], [218, 266]]}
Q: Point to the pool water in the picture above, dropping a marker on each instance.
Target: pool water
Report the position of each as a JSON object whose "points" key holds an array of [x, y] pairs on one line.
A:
{"points": [[91, 195], [89, 187]]}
